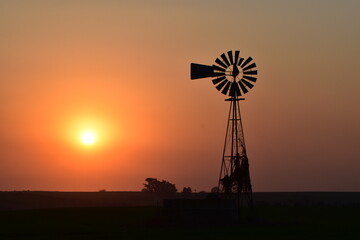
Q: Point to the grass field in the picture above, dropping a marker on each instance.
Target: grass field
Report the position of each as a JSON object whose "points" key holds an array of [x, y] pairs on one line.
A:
{"points": [[269, 222]]}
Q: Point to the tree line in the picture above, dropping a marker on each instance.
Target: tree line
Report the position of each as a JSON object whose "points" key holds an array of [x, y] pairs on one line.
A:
{"points": [[162, 188]]}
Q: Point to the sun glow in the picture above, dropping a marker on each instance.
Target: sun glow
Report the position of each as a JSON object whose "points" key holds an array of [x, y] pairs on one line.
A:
{"points": [[88, 137], [90, 133]]}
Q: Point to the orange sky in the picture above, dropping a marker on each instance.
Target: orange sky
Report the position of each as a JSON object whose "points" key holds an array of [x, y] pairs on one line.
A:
{"points": [[122, 68]]}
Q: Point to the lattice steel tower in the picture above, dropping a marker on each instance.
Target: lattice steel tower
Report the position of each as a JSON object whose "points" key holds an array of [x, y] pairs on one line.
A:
{"points": [[234, 75]]}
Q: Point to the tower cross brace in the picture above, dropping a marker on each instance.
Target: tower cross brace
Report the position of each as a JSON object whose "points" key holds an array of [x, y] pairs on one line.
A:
{"points": [[234, 180]]}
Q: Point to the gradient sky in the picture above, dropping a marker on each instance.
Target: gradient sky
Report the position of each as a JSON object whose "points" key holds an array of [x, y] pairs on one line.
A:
{"points": [[122, 68]]}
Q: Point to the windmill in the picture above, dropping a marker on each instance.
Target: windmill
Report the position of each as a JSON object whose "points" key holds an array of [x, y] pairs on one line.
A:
{"points": [[233, 77]]}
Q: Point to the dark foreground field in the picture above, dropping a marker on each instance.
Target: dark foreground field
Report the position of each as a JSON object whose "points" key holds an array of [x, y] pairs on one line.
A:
{"points": [[270, 222], [276, 216]]}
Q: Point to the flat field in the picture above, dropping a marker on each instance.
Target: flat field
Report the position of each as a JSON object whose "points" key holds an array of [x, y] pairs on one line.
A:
{"points": [[269, 221]]}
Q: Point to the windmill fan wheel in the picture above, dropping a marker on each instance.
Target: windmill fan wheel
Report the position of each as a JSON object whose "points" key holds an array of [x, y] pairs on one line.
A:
{"points": [[235, 75]]}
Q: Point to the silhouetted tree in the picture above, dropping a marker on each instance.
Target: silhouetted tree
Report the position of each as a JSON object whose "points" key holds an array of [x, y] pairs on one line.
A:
{"points": [[162, 188], [186, 192]]}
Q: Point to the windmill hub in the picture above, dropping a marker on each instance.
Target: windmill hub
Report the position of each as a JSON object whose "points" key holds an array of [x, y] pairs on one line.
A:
{"points": [[235, 71]]}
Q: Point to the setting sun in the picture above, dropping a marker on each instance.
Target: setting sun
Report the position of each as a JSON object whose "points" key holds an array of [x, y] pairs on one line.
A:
{"points": [[88, 137], [84, 131]]}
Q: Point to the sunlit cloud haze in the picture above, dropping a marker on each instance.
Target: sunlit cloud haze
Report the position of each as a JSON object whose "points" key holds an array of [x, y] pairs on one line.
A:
{"points": [[120, 69]]}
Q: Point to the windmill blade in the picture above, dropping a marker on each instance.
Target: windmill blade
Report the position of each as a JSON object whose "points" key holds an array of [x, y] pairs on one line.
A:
{"points": [[230, 55], [217, 80], [215, 67], [223, 56], [246, 62], [237, 53], [253, 79], [249, 85], [218, 61], [226, 88], [221, 85], [249, 67], [240, 61], [200, 71], [243, 88], [234, 90], [251, 72]]}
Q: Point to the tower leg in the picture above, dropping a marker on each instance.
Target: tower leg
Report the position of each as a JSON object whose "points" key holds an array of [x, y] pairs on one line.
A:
{"points": [[234, 180]]}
